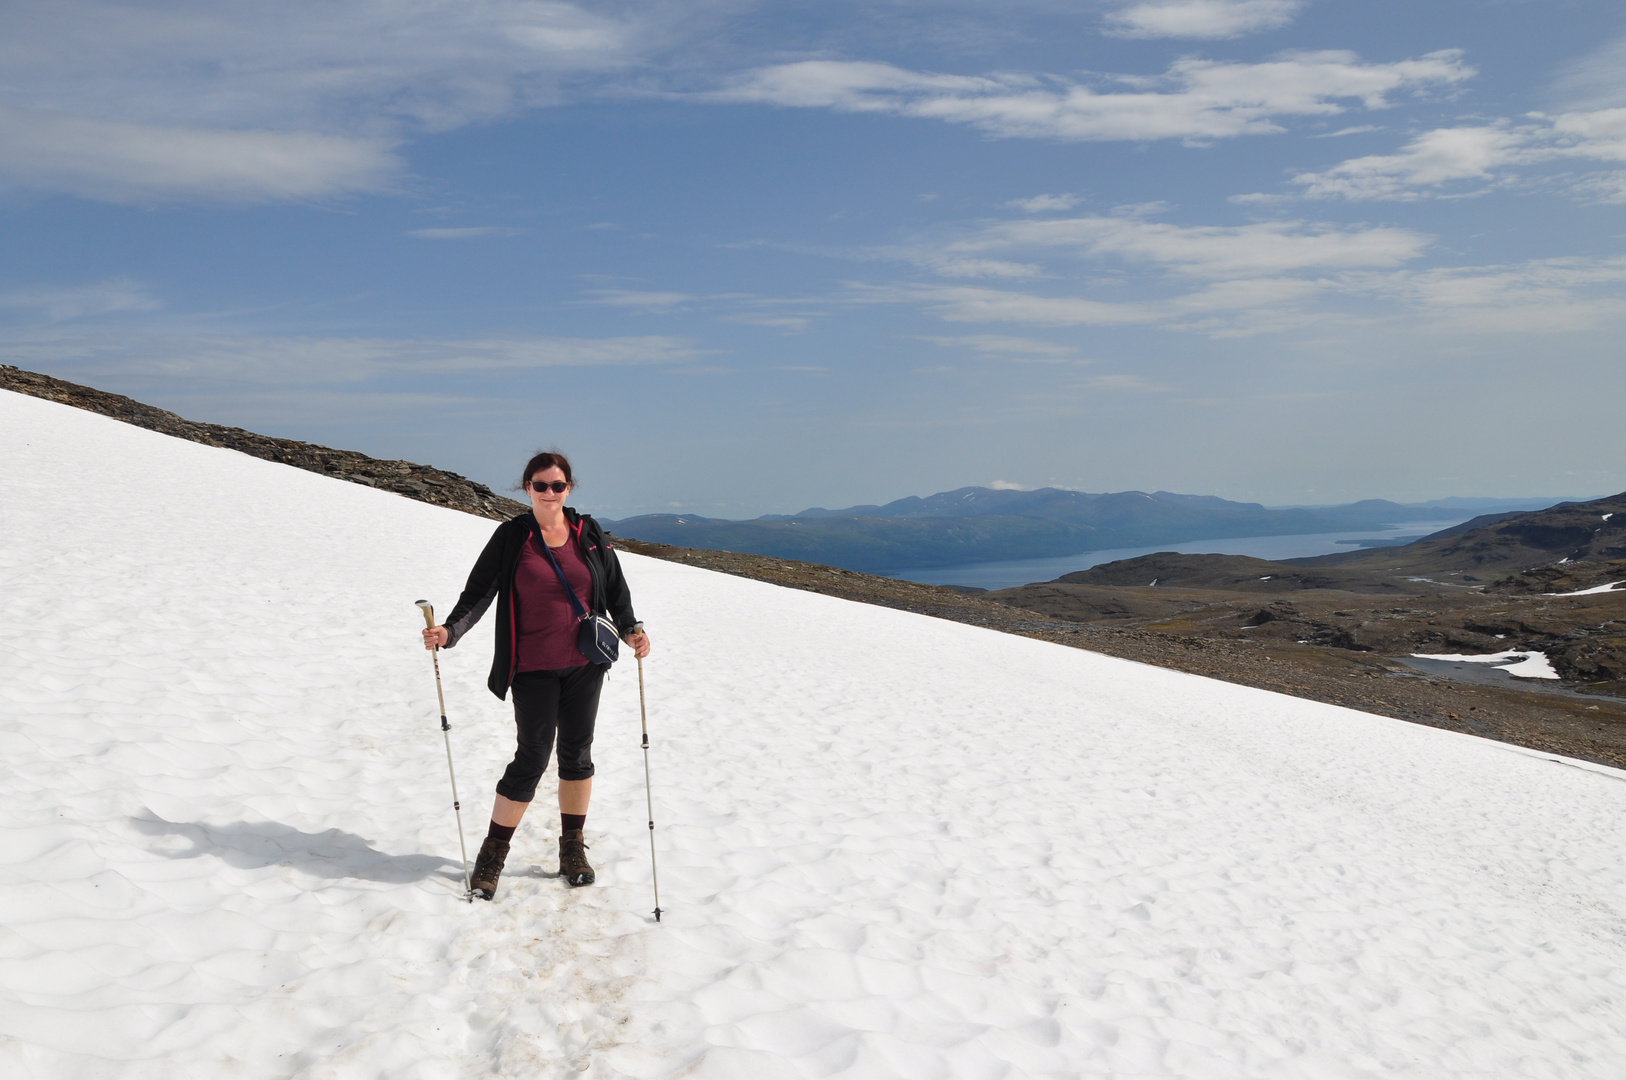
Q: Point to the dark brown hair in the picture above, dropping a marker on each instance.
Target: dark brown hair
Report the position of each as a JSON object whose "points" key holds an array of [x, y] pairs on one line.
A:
{"points": [[546, 459]]}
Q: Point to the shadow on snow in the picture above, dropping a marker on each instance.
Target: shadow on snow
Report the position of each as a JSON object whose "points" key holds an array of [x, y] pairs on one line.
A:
{"points": [[252, 845]]}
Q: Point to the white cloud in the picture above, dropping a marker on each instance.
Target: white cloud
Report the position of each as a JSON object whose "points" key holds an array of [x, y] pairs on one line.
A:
{"points": [[641, 300], [1431, 159], [948, 265], [286, 360], [1595, 81], [60, 305], [128, 162], [1544, 296], [1265, 277], [1136, 384], [1606, 187], [1045, 204], [1483, 154], [1204, 251], [311, 63], [467, 232], [742, 308], [789, 323], [1201, 18], [1217, 280], [1028, 349], [1194, 100], [293, 100], [1599, 134], [973, 303]]}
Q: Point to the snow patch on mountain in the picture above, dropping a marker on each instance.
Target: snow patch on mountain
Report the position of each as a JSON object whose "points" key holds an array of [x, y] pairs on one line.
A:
{"points": [[890, 845]]}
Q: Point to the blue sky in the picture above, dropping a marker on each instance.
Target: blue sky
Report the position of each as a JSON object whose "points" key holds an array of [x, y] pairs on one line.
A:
{"points": [[742, 258]]}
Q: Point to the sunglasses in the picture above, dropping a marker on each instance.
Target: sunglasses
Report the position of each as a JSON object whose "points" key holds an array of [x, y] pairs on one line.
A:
{"points": [[558, 487]]}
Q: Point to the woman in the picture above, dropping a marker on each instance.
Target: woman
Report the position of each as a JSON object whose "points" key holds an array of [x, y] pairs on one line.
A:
{"points": [[555, 687]]}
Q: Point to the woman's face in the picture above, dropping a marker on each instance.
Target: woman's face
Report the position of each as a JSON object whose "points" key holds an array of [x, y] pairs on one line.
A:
{"points": [[549, 502]]}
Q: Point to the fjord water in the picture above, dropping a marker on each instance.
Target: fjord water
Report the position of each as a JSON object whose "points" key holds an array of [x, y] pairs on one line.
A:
{"points": [[1008, 575]]}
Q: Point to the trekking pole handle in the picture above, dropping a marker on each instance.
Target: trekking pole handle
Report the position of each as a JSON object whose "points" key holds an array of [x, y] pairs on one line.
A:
{"points": [[428, 610]]}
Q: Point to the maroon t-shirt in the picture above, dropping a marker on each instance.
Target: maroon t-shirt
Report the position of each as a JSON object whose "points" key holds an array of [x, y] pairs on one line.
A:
{"points": [[545, 618]]}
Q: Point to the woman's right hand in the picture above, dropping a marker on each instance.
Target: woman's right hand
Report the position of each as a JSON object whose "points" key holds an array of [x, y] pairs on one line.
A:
{"points": [[435, 636]]}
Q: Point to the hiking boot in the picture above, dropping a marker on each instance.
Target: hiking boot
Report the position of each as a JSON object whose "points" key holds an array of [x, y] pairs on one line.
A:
{"points": [[573, 858], [488, 867]]}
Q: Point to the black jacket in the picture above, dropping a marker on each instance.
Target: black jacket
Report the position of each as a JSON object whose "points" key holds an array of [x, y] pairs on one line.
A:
{"points": [[493, 576]]}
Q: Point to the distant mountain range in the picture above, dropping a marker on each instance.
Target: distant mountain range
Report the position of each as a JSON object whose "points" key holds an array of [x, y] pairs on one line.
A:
{"points": [[978, 524], [971, 524], [1521, 581]]}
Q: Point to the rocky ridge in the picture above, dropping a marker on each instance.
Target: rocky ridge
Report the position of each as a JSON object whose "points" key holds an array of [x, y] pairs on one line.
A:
{"points": [[422, 482]]}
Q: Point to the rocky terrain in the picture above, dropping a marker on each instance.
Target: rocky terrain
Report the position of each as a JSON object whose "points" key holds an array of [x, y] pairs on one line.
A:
{"points": [[1325, 629], [1474, 589]]}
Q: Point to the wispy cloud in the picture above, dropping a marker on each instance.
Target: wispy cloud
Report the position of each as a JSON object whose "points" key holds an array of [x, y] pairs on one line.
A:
{"points": [[81, 301], [1599, 134], [1550, 296], [1202, 251], [791, 316], [1194, 100], [256, 102], [468, 232], [1604, 187], [944, 261], [788, 323], [1201, 18], [289, 360], [1438, 162], [1030, 349], [131, 162], [1541, 296], [1428, 161], [1128, 269], [979, 304], [1217, 280], [1132, 384], [1594, 81], [1045, 204], [641, 299]]}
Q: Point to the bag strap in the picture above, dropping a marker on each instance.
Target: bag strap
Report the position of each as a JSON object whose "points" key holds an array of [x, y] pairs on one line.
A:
{"points": [[570, 591]]}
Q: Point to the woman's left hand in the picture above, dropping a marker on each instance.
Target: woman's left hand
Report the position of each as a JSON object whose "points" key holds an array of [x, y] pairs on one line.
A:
{"points": [[639, 642]]}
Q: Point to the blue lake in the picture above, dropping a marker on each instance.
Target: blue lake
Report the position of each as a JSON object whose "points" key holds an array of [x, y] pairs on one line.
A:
{"points": [[1006, 575]]}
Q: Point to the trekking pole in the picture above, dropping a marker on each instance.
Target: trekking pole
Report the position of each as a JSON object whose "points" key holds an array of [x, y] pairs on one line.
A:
{"points": [[649, 800], [445, 732]]}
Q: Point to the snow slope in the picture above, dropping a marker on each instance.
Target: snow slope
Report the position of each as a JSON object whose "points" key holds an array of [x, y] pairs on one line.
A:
{"points": [[890, 846]]}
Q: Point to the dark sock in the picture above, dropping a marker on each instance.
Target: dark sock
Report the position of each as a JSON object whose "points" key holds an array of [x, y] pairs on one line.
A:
{"points": [[567, 822], [504, 833]]}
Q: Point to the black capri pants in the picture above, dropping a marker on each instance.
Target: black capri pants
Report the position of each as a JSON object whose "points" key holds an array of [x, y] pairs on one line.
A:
{"points": [[546, 702]]}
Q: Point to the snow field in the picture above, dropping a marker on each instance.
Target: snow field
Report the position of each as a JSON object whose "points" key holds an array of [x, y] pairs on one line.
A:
{"points": [[890, 846], [1611, 586], [1520, 663]]}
